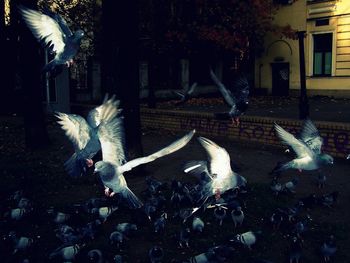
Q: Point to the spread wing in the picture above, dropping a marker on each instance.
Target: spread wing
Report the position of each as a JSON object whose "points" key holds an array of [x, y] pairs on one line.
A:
{"points": [[76, 129], [105, 112], [177, 145], [299, 147], [311, 137], [219, 158], [230, 100], [112, 139], [44, 28]]}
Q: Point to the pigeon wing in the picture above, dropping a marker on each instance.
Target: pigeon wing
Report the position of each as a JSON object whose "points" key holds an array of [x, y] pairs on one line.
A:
{"points": [[105, 112], [112, 139], [76, 129], [44, 28], [311, 137], [219, 158], [230, 100], [198, 169], [177, 145], [299, 147]]}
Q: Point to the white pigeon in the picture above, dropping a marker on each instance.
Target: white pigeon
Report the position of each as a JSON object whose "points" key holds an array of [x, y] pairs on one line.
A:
{"points": [[83, 134], [307, 148], [111, 168], [217, 171]]}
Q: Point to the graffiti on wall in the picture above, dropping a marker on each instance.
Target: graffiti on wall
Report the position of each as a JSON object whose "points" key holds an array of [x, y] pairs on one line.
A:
{"points": [[335, 140]]}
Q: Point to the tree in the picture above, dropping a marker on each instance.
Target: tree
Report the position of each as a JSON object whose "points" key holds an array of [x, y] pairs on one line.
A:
{"points": [[30, 63], [120, 65]]}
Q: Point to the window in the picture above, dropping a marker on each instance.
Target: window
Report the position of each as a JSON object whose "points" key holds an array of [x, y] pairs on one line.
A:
{"points": [[322, 22], [322, 54]]}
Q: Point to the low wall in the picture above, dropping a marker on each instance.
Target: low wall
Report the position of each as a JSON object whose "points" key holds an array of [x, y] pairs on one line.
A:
{"points": [[252, 129]]}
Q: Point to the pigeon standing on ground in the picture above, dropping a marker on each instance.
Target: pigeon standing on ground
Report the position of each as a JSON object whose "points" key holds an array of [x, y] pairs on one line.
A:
{"points": [[290, 185], [328, 248], [295, 252], [236, 97], [20, 243], [156, 254], [83, 134], [197, 224], [307, 149], [218, 169], [237, 216], [111, 168], [247, 239], [66, 252], [52, 30]]}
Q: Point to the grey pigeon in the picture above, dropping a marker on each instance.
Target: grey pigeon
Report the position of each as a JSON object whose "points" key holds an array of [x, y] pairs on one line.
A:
{"points": [[116, 238], [236, 97], [83, 134], [197, 224], [247, 238], [328, 248], [52, 30], [307, 149], [184, 237], [20, 243], [126, 228], [237, 216], [156, 254], [295, 252], [218, 169], [290, 185], [66, 252], [111, 168], [159, 224], [95, 256], [187, 93], [104, 212]]}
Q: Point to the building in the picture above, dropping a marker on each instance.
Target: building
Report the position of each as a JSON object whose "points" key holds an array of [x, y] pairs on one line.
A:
{"points": [[327, 50]]}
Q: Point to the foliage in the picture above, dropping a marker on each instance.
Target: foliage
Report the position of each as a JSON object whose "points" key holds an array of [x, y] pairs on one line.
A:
{"points": [[233, 26]]}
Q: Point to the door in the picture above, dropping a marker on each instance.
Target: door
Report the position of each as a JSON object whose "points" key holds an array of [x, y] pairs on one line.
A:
{"points": [[280, 79]]}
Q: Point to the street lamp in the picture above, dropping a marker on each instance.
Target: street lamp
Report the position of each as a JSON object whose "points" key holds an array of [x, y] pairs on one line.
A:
{"points": [[303, 100]]}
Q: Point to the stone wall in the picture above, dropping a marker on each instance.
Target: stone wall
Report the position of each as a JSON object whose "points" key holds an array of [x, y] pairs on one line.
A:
{"points": [[252, 129]]}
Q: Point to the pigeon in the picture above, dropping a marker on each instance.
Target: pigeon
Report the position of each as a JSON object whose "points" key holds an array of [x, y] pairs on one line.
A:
{"points": [[276, 219], [52, 30], [84, 134], [290, 185], [184, 237], [154, 186], [236, 97], [126, 228], [321, 180], [95, 256], [247, 239], [218, 169], [348, 157], [307, 149], [118, 259], [116, 238], [328, 248], [156, 254], [197, 225], [17, 213], [20, 243], [187, 94], [275, 186], [66, 252], [159, 224], [104, 212], [57, 216], [295, 252], [237, 216], [329, 199], [111, 169], [90, 229], [220, 214]]}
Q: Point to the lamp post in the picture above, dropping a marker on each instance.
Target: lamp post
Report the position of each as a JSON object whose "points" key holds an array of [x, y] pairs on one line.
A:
{"points": [[303, 100]]}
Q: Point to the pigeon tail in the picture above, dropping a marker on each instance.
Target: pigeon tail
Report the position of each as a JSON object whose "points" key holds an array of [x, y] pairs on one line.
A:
{"points": [[133, 201], [75, 166]]}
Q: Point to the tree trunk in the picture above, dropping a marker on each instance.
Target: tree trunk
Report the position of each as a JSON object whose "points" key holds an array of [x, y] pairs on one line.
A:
{"points": [[30, 65], [120, 65]]}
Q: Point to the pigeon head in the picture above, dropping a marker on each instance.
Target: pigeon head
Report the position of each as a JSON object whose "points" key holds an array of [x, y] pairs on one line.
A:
{"points": [[326, 159], [79, 34], [104, 169]]}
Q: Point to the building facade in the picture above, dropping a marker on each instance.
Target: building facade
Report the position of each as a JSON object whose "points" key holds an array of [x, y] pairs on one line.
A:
{"points": [[327, 50]]}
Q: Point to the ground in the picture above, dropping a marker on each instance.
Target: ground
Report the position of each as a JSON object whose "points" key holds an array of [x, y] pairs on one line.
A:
{"points": [[42, 178]]}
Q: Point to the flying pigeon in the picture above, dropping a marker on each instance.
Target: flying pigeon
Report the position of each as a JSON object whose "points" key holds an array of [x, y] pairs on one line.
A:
{"points": [[217, 169], [83, 134], [52, 30], [236, 97], [112, 167], [188, 93], [307, 149]]}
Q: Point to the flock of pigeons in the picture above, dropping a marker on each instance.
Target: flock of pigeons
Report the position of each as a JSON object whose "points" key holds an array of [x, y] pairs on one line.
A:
{"points": [[220, 193], [219, 189]]}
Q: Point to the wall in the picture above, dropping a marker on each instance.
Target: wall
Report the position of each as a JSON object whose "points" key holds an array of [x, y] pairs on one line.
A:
{"points": [[252, 129]]}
